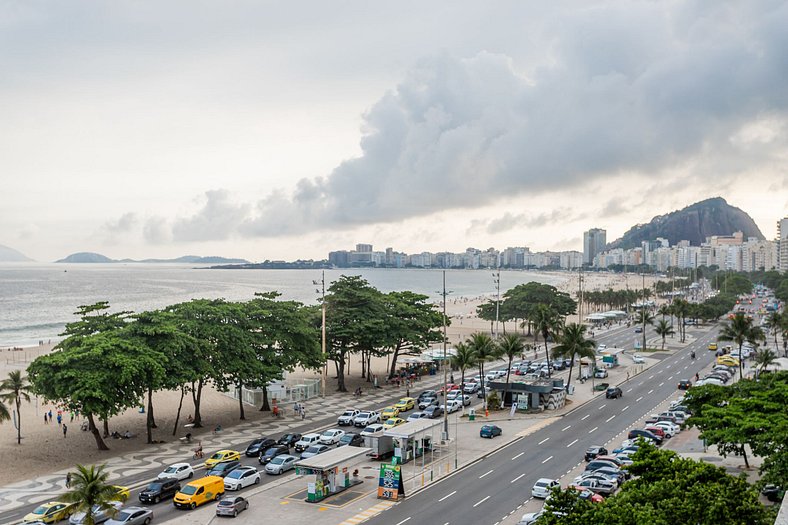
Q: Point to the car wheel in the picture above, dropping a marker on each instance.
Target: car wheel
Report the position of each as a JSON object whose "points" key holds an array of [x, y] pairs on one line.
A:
{"points": [[191, 474], [147, 521], [235, 514], [156, 499], [257, 480], [193, 506]]}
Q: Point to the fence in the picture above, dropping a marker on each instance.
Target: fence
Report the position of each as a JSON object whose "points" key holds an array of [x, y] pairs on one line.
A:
{"points": [[284, 392]]}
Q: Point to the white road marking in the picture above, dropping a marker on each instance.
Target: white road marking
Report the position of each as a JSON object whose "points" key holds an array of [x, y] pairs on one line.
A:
{"points": [[686, 367], [603, 406], [671, 377], [543, 462], [638, 399], [651, 377], [478, 502], [572, 443], [518, 455], [626, 407], [584, 417], [630, 390], [403, 521], [447, 496], [488, 472], [517, 478], [565, 428], [545, 439], [662, 383], [608, 420], [590, 431], [650, 391]]}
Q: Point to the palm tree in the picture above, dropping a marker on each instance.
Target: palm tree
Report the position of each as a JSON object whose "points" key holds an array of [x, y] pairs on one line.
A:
{"points": [[547, 322], [463, 359], [571, 343], [644, 317], [90, 492], [763, 359], [680, 309], [774, 321], [5, 415], [663, 329], [738, 331], [484, 349], [664, 310], [510, 346], [15, 389]]}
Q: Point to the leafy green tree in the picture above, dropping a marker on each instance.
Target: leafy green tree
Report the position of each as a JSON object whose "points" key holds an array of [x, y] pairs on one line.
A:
{"points": [[15, 389], [91, 492], [510, 346], [463, 359], [663, 329], [484, 349], [486, 312], [411, 324], [547, 322], [520, 301], [571, 343], [739, 330]]}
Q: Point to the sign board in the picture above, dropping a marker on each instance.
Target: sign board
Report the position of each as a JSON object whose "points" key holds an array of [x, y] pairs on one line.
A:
{"points": [[390, 482]]}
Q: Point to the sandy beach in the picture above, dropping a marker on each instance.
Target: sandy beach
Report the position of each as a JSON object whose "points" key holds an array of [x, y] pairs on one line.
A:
{"points": [[44, 449]]}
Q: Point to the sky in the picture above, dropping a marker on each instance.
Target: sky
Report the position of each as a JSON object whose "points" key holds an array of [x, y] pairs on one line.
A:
{"points": [[284, 130]]}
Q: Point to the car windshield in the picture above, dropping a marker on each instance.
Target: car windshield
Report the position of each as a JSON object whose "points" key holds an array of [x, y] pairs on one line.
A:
{"points": [[348, 413], [270, 452], [218, 455], [313, 449], [154, 486], [541, 484], [278, 460], [170, 470], [235, 474], [124, 515], [346, 438], [189, 490], [40, 510], [226, 503], [363, 414]]}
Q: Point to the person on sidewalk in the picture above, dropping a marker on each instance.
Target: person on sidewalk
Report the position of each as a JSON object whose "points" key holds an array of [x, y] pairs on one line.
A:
{"points": [[65, 429], [68, 480], [303, 413]]}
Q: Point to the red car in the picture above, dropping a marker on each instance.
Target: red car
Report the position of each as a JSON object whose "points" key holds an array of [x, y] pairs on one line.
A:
{"points": [[450, 387], [588, 495], [656, 430]]}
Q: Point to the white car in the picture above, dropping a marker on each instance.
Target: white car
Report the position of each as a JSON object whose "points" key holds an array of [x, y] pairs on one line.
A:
{"points": [[347, 417], [413, 417], [530, 518], [451, 406], [280, 464], [331, 436], [374, 429], [366, 418], [241, 477], [637, 358], [306, 441], [542, 487], [601, 348], [669, 428], [179, 471]]}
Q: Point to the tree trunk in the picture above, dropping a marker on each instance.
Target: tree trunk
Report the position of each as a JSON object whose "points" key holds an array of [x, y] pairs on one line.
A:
{"points": [[484, 393], [547, 357], [149, 418], [19, 421], [266, 406], [663, 344], [178, 414], [569, 377], [744, 454], [363, 364], [242, 417], [197, 399], [394, 358], [150, 409], [369, 368], [105, 421], [341, 372], [508, 373], [94, 430]]}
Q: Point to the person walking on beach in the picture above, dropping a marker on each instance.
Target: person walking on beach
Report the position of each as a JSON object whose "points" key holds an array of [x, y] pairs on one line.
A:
{"points": [[65, 429], [46, 421], [59, 419]]}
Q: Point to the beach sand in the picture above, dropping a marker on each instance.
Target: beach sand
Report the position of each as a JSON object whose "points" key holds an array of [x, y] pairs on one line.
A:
{"points": [[45, 450]]}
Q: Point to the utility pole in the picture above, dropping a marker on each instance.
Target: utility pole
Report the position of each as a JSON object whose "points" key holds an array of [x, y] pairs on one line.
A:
{"points": [[445, 435], [322, 291], [497, 281]]}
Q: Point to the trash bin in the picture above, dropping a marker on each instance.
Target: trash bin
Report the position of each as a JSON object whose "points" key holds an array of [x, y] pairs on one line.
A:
{"points": [[472, 414]]}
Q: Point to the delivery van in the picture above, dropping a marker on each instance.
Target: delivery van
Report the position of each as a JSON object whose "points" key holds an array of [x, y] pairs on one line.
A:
{"points": [[199, 491]]}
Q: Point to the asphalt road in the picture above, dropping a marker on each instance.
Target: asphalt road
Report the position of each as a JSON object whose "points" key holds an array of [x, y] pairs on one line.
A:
{"points": [[621, 337], [491, 489]]}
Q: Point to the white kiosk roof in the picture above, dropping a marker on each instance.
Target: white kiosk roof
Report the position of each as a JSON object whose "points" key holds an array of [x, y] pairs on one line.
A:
{"points": [[332, 458], [414, 427]]}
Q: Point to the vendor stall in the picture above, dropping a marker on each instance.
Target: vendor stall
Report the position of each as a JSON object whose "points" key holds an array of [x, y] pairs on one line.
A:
{"points": [[331, 471], [414, 439]]}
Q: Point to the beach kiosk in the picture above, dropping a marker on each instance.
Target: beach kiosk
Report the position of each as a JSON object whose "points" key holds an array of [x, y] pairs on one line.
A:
{"points": [[413, 440], [330, 472]]}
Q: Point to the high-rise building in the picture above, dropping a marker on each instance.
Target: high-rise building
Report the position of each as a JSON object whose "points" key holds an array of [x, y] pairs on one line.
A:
{"points": [[594, 241], [782, 244]]}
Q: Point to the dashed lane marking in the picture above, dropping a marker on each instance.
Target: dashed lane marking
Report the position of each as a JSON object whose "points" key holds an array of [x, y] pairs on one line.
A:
{"points": [[611, 418], [518, 455], [584, 417], [567, 427], [626, 407], [572, 443], [486, 473], [447, 496], [403, 521], [548, 459], [592, 430], [543, 441], [479, 502], [515, 480], [638, 399]]}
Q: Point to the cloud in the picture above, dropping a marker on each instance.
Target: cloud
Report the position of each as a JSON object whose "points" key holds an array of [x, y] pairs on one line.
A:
{"points": [[522, 220], [114, 229], [612, 97], [156, 231], [613, 208], [218, 219]]}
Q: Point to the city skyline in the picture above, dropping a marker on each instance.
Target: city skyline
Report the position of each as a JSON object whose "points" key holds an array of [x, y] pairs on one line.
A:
{"points": [[281, 131]]}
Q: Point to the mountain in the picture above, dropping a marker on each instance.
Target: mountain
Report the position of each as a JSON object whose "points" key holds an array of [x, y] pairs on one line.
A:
{"points": [[10, 255], [694, 223], [88, 257]]}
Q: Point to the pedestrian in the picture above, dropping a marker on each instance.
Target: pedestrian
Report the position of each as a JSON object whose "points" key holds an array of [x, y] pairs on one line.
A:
{"points": [[407, 392], [68, 480], [50, 415], [65, 429], [46, 421], [303, 412], [59, 419]]}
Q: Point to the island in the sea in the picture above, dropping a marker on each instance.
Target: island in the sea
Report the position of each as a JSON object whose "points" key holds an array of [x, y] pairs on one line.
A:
{"points": [[90, 257]]}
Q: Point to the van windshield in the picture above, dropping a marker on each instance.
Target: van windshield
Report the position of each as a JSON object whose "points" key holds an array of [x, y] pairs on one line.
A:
{"points": [[189, 490]]}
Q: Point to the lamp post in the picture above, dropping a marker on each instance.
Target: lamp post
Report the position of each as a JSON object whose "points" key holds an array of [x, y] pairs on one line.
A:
{"points": [[444, 293], [322, 291], [497, 281]]}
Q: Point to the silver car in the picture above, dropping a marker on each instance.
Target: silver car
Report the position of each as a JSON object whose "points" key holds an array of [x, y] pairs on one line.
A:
{"points": [[132, 516], [232, 506], [99, 516], [280, 464]]}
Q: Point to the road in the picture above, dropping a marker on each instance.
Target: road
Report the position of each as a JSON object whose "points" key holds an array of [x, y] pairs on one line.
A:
{"points": [[621, 337], [491, 489]]}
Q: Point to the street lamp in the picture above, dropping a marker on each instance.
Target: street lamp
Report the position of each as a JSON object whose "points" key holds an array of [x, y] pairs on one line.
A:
{"points": [[322, 291], [497, 281], [444, 293]]}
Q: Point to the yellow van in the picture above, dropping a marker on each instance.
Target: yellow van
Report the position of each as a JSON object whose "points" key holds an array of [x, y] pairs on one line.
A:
{"points": [[199, 491]]}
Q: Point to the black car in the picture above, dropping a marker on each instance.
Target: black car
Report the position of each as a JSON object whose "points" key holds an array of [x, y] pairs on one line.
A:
{"points": [[594, 451], [224, 468], [259, 444], [289, 439], [685, 384], [637, 432], [773, 493], [159, 490], [433, 412], [354, 440], [271, 452], [613, 393]]}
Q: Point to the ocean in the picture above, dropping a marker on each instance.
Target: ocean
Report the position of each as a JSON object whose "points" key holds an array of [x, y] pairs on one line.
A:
{"points": [[37, 300]]}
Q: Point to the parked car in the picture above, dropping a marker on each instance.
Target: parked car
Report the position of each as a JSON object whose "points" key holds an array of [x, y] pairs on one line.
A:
{"points": [[131, 516], [597, 464], [543, 486], [638, 432], [241, 477], [280, 464], [99, 515], [223, 468], [490, 431], [600, 475], [416, 415], [593, 451], [289, 439], [366, 418], [433, 411], [613, 392], [669, 428], [331, 436], [656, 430], [351, 439], [222, 456], [258, 445], [159, 490], [271, 452], [306, 441], [372, 429], [773, 493], [346, 419], [596, 485], [685, 384], [314, 450], [179, 471], [638, 359], [600, 373], [232, 506]]}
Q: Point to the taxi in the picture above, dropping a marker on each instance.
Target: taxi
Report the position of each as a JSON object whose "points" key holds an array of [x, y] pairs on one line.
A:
{"points": [[122, 492], [405, 404], [51, 512], [393, 422], [712, 346], [221, 457], [389, 412], [727, 360]]}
